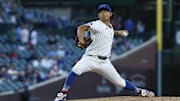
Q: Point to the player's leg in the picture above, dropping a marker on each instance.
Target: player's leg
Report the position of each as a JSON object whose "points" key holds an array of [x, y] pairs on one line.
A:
{"points": [[61, 96], [79, 68], [69, 81], [109, 72]]}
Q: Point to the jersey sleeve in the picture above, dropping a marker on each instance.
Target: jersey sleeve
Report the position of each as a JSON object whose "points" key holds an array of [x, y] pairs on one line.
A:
{"points": [[92, 26]]}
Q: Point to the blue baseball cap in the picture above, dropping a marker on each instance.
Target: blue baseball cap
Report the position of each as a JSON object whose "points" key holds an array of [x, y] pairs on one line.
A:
{"points": [[104, 7]]}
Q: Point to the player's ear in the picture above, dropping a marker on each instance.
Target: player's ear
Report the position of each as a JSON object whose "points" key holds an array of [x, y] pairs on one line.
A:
{"points": [[98, 14], [111, 15]]}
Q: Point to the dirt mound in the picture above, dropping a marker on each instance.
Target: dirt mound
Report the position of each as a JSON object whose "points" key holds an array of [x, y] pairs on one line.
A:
{"points": [[132, 98]]}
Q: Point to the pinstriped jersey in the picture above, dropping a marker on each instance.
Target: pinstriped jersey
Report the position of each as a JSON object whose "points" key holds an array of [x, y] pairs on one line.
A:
{"points": [[102, 36]]}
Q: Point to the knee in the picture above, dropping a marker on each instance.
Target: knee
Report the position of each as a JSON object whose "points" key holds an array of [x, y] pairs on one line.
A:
{"points": [[76, 71], [121, 83]]}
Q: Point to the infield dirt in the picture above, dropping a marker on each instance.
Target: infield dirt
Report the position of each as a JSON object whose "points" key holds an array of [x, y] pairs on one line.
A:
{"points": [[131, 98]]}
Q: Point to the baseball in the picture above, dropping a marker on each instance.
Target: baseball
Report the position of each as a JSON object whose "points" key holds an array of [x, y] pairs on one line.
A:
{"points": [[124, 33]]}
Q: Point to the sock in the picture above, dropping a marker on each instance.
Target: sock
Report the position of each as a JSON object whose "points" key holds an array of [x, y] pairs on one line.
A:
{"points": [[130, 86], [69, 81]]}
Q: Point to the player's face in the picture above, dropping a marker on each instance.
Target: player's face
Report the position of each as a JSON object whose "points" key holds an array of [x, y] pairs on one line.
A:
{"points": [[104, 15]]}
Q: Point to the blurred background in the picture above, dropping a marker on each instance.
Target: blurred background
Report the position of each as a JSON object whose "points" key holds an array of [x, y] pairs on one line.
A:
{"points": [[37, 48]]}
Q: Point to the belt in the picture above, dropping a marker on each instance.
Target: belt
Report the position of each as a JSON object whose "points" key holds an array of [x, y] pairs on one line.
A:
{"points": [[100, 57]]}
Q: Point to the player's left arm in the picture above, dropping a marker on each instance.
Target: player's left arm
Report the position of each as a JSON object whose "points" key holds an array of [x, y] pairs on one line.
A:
{"points": [[121, 32]]}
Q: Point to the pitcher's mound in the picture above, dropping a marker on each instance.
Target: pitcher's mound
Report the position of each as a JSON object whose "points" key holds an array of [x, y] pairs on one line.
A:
{"points": [[132, 98]]}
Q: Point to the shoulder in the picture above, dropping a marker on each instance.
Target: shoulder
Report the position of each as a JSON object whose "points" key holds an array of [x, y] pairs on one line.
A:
{"points": [[95, 22]]}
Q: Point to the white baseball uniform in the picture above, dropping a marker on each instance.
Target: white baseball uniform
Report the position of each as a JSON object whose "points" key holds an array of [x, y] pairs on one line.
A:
{"points": [[102, 36]]}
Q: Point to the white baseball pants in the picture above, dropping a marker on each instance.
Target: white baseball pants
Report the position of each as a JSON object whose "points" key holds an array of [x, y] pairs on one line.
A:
{"points": [[102, 67]]}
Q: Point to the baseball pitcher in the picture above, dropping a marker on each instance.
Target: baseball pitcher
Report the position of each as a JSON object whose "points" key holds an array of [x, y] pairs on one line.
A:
{"points": [[96, 57]]}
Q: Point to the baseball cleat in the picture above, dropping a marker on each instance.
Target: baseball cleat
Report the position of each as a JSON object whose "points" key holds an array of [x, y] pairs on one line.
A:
{"points": [[146, 93], [60, 97]]}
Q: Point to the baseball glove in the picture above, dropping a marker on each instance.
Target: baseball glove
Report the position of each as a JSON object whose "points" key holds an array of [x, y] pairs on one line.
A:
{"points": [[87, 41]]}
